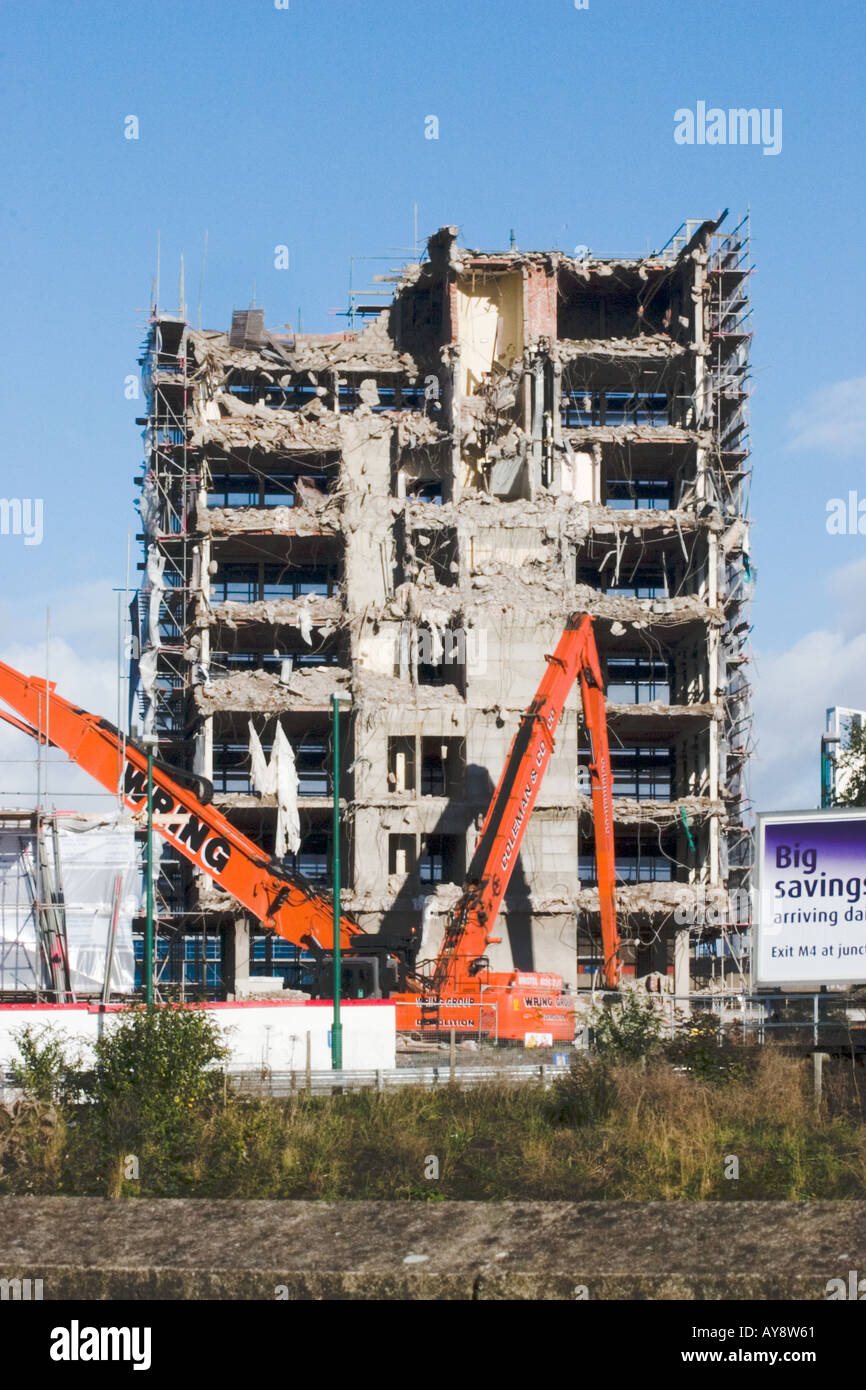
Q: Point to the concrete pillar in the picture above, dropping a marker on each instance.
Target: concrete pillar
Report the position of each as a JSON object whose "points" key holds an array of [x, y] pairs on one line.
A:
{"points": [[712, 569], [557, 395], [701, 491], [596, 475], [818, 1060], [452, 419], [236, 953], [537, 398], [681, 967], [207, 765]]}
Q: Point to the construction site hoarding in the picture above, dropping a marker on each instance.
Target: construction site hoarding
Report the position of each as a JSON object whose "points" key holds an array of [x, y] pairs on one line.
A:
{"points": [[810, 924], [262, 1036]]}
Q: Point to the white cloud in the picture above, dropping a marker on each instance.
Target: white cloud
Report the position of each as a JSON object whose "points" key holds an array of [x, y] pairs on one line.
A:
{"points": [[833, 420], [793, 691], [86, 613], [82, 662], [794, 688], [846, 587], [87, 682]]}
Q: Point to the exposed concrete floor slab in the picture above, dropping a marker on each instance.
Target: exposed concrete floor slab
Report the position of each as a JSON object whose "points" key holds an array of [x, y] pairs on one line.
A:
{"points": [[89, 1248]]}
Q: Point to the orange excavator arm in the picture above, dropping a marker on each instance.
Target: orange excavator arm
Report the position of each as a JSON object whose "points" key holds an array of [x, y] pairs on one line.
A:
{"points": [[470, 925], [281, 901]]}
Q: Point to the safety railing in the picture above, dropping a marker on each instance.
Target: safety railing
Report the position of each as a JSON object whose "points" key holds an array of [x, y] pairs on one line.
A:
{"points": [[288, 1083]]}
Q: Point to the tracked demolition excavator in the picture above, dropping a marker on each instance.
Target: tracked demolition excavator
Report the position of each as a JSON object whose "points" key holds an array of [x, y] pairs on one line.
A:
{"points": [[458, 989]]}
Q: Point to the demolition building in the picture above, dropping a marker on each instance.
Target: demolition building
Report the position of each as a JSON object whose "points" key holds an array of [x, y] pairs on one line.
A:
{"points": [[404, 516]]}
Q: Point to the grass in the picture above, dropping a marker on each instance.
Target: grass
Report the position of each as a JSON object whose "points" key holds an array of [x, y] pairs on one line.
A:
{"points": [[638, 1130]]}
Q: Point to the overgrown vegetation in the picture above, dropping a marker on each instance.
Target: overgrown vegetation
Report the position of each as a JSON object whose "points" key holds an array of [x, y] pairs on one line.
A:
{"points": [[632, 1122], [630, 1029], [48, 1070], [156, 1074]]}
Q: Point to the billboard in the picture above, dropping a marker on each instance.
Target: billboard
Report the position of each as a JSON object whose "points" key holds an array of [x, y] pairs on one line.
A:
{"points": [[810, 926]]}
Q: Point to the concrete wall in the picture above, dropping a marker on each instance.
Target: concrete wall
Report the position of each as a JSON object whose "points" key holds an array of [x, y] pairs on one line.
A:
{"points": [[490, 325], [271, 1034]]}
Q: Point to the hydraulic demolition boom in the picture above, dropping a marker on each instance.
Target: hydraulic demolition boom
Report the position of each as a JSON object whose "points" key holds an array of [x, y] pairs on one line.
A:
{"points": [[469, 928], [281, 901]]}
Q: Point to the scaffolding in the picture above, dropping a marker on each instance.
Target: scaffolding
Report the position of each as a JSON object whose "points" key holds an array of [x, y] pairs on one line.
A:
{"points": [[68, 894], [728, 272]]}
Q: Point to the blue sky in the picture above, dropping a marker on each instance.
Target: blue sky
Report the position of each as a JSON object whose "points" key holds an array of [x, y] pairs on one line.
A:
{"points": [[305, 127]]}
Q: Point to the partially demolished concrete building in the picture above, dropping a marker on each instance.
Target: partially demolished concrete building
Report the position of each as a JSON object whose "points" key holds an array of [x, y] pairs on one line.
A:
{"points": [[406, 515]]}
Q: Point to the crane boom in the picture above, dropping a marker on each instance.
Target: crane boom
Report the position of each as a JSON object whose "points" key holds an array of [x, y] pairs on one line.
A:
{"points": [[281, 901]]}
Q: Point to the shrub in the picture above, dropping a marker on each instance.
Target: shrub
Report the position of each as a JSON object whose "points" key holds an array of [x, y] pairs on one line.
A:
{"points": [[44, 1072], [710, 1053], [627, 1030], [157, 1073]]}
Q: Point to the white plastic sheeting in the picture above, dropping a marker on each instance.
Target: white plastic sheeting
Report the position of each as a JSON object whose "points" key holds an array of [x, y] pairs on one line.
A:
{"points": [[147, 665], [427, 907], [94, 853], [436, 619], [305, 623], [278, 777], [147, 677], [148, 506], [156, 584]]}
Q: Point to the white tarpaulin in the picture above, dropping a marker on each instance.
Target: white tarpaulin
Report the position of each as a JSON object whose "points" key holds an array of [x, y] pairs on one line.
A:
{"points": [[278, 778], [147, 677], [95, 852], [156, 583]]}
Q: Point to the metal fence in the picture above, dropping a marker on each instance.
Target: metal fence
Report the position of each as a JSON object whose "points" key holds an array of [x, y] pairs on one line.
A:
{"points": [[277, 1084], [288, 1083], [807, 1020]]}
